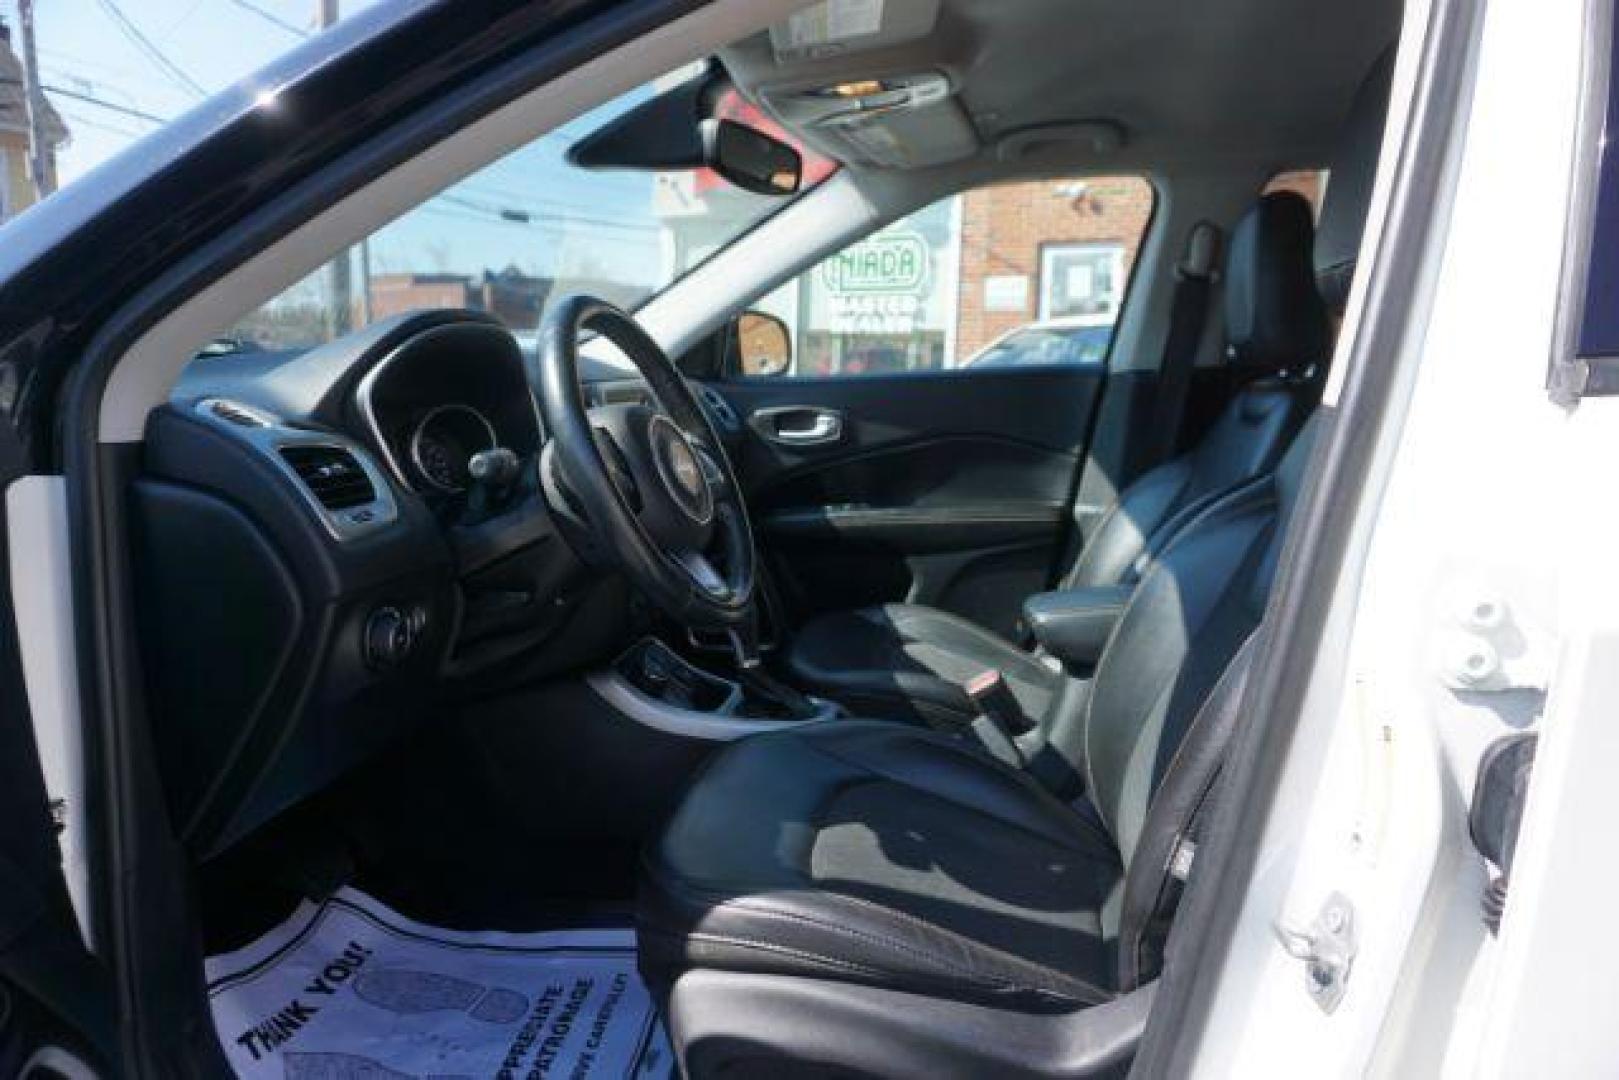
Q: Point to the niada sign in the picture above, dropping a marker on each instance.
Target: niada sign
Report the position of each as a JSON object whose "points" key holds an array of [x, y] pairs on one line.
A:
{"points": [[891, 262]]}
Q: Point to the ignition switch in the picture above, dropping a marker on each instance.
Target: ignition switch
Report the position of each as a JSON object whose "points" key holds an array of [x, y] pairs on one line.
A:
{"points": [[389, 636]]}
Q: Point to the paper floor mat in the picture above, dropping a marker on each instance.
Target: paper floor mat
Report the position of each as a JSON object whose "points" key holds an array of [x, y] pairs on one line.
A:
{"points": [[350, 990]]}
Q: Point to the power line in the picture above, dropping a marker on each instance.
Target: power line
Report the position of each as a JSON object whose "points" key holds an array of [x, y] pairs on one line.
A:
{"points": [[519, 215], [472, 209], [110, 106], [271, 17], [80, 118], [153, 53], [91, 99]]}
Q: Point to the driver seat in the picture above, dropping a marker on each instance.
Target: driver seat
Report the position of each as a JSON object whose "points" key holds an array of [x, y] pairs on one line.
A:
{"points": [[852, 892], [910, 661], [855, 898]]}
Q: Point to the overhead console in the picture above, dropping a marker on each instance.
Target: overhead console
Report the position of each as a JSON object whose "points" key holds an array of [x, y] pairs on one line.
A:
{"points": [[899, 121], [838, 74]]}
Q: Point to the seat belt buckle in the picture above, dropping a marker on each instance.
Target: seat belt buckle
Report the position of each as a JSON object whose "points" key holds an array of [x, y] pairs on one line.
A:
{"points": [[993, 698]]}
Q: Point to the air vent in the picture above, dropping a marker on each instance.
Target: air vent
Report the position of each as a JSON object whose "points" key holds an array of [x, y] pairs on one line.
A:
{"points": [[233, 413], [332, 474]]}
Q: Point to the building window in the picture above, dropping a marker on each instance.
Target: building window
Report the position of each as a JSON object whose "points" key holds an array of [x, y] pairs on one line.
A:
{"points": [[1081, 279]]}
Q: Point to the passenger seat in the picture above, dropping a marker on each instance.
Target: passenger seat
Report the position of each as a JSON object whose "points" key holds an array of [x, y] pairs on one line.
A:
{"points": [[910, 661]]}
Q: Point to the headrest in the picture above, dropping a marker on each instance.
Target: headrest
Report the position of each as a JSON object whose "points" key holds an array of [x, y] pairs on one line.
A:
{"points": [[1349, 185], [1274, 317]]}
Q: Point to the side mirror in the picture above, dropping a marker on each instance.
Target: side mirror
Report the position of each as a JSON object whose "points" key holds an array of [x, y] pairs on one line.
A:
{"points": [[764, 348], [750, 159]]}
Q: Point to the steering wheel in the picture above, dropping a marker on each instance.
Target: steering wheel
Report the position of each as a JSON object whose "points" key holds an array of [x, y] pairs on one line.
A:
{"points": [[651, 481]]}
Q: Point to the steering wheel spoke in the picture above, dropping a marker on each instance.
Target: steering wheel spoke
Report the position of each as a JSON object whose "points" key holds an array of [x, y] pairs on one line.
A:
{"points": [[618, 467], [653, 483], [702, 571]]}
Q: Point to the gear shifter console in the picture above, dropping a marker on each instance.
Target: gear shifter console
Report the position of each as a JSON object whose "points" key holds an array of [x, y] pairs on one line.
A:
{"points": [[661, 674], [656, 685]]}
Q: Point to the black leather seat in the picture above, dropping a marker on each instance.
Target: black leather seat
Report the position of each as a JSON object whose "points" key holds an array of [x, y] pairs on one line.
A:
{"points": [[860, 898], [910, 661], [894, 857]]}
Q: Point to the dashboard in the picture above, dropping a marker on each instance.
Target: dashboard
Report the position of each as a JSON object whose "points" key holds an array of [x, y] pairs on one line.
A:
{"points": [[319, 573], [443, 396]]}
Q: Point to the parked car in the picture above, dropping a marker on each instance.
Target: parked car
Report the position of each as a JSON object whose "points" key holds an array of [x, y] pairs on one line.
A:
{"points": [[1078, 339]]}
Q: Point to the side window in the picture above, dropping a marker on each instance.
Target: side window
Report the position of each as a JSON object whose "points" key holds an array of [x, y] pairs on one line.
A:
{"points": [[1033, 272]]}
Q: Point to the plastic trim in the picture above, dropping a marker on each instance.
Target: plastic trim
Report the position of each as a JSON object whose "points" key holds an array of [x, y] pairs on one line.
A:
{"points": [[1570, 376], [344, 525], [614, 689]]}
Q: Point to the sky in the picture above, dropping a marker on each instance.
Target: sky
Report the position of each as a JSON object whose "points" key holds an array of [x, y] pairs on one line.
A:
{"points": [[146, 60]]}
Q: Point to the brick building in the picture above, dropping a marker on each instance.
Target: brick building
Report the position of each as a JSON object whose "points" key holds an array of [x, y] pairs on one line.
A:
{"points": [[934, 288], [1021, 243], [515, 297]]}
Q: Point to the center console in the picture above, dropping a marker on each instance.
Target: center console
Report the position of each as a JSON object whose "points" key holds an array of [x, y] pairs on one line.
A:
{"points": [[653, 684]]}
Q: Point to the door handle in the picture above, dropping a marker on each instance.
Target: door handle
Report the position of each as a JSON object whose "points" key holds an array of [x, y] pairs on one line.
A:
{"points": [[799, 425]]}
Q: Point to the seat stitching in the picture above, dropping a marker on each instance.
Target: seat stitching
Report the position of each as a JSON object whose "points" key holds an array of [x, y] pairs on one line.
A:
{"points": [[836, 961], [1091, 992], [878, 973], [745, 903]]}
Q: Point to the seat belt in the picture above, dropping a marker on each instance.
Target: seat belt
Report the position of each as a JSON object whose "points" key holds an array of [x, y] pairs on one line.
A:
{"points": [[1195, 276]]}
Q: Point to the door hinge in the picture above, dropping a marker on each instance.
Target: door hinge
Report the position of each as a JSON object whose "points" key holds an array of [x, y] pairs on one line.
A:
{"points": [[1327, 947]]}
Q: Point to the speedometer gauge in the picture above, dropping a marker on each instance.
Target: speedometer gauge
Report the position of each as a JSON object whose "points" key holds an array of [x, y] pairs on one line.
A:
{"points": [[437, 463], [445, 440]]}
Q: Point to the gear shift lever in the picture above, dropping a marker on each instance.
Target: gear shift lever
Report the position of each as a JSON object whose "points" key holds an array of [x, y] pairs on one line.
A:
{"points": [[750, 672]]}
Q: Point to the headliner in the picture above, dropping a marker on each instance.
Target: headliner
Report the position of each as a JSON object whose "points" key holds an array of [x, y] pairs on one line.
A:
{"points": [[1188, 82]]}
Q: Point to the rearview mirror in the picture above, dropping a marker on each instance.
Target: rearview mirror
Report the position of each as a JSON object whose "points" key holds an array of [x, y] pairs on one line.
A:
{"points": [[750, 159], [764, 347], [668, 132]]}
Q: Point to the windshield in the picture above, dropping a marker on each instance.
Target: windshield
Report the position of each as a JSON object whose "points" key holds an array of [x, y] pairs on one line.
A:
{"points": [[526, 229], [504, 240]]}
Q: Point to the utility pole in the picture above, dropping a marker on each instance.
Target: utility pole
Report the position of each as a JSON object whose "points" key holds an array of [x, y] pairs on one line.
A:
{"points": [[41, 164], [340, 271], [365, 281]]}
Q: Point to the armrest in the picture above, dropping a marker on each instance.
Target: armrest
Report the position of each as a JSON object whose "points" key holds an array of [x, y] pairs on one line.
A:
{"points": [[1074, 624]]}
